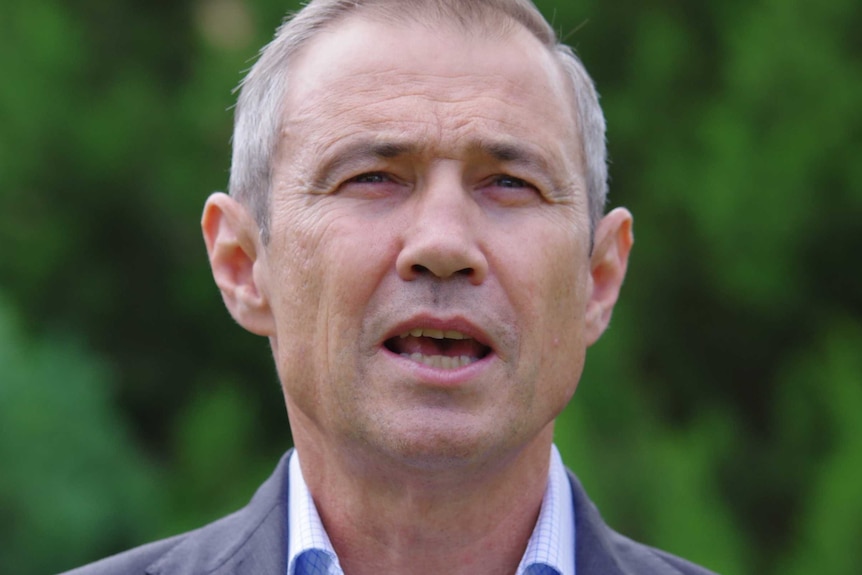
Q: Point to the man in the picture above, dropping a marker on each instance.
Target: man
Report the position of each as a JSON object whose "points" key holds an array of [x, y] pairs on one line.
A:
{"points": [[415, 224]]}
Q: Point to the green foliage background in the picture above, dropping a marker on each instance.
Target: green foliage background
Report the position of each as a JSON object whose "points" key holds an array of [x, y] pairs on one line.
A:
{"points": [[718, 418]]}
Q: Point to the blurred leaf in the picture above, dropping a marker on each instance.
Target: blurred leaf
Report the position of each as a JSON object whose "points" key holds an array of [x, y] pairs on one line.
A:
{"points": [[73, 482]]}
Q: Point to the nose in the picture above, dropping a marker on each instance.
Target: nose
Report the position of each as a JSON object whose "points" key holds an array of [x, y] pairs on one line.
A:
{"points": [[441, 238]]}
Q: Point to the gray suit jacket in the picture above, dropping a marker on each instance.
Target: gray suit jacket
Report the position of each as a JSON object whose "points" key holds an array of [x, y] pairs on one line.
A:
{"points": [[253, 541]]}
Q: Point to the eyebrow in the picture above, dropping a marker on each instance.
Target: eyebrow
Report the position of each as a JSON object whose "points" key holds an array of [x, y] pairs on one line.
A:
{"points": [[509, 153], [356, 153], [537, 164]]}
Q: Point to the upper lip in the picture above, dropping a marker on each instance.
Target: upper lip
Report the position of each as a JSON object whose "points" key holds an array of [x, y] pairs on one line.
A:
{"points": [[457, 324]]}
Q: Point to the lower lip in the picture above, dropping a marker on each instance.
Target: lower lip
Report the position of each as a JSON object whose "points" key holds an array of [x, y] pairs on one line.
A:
{"points": [[437, 377]]}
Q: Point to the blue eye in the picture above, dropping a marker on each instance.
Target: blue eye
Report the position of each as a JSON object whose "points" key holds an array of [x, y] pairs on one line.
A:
{"points": [[511, 182], [372, 185], [370, 178], [508, 190]]}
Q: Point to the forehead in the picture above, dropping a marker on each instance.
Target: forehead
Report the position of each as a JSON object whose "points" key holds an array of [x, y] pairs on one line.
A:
{"points": [[442, 86]]}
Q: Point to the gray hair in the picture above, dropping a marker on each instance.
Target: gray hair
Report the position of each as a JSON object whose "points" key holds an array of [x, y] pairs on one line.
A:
{"points": [[259, 109]]}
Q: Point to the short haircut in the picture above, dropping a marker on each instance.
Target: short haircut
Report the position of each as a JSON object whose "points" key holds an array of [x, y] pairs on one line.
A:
{"points": [[258, 119]]}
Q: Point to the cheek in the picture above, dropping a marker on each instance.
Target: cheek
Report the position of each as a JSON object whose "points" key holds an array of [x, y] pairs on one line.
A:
{"points": [[564, 346], [566, 304], [298, 265], [304, 255], [550, 279], [549, 273], [294, 259], [327, 271]]}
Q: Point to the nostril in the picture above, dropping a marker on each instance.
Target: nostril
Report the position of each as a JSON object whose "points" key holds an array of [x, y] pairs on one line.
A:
{"points": [[419, 270]]}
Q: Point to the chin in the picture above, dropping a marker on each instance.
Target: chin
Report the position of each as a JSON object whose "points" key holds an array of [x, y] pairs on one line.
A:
{"points": [[441, 447]]}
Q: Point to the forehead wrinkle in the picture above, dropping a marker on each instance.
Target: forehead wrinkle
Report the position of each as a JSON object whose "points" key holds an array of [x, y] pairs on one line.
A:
{"points": [[384, 88], [440, 135], [345, 113], [435, 134], [376, 85]]}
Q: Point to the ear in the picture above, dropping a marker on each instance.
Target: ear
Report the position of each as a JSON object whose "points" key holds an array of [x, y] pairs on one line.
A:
{"points": [[233, 246], [613, 242]]}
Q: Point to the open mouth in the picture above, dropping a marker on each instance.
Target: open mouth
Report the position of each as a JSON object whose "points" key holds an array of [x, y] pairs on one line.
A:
{"points": [[443, 349]]}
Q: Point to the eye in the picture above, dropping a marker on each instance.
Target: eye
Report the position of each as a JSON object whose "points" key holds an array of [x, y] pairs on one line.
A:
{"points": [[511, 191], [511, 182], [372, 185], [370, 178]]}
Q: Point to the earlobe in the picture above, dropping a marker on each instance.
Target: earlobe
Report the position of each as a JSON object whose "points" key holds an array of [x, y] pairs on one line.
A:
{"points": [[231, 238], [608, 263]]}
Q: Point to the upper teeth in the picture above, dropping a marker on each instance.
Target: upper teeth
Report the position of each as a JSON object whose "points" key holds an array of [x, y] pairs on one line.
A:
{"points": [[435, 333]]}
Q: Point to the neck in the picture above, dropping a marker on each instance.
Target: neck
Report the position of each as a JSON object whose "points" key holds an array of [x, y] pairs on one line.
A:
{"points": [[391, 519]]}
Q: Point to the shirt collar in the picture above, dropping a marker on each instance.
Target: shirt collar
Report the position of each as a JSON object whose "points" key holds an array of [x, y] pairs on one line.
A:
{"points": [[309, 550], [550, 550]]}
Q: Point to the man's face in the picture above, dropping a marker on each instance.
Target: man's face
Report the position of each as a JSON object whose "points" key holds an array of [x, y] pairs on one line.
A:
{"points": [[428, 269]]}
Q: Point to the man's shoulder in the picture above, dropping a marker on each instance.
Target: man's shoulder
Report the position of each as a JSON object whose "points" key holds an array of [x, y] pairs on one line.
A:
{"points": [[656, 560], [208, 549], [132, 562], [249, 541], [602, 551]]}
